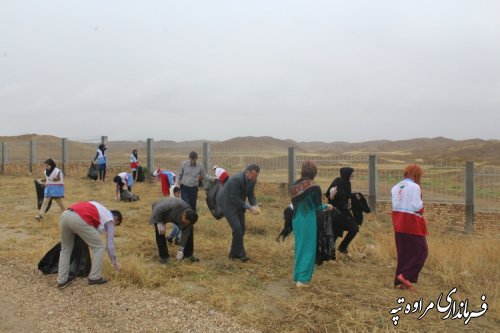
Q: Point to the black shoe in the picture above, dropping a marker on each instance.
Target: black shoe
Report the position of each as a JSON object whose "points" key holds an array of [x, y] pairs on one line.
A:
{"points": [[98, 281], [170, 241], [243, 258], [344, 251], [163, 260], [67, 283], [192, 259]]}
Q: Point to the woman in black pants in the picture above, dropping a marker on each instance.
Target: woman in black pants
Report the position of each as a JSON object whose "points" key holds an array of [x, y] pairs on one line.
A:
{"points": [[344, 221]]}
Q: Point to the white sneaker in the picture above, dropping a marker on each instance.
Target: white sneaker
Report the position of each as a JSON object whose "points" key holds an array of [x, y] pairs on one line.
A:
{"points": [[302, 285]]}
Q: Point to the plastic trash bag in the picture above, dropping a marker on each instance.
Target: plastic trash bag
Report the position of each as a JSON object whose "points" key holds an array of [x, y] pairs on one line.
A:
{"points": [[93, 171], [80, 262], [40, 195], [212, 188]]}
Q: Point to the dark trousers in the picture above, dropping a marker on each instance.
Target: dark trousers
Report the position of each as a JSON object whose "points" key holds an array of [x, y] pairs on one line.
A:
{"points": [[190, 195], [351, 226], [102, 171], [161, 242], [237, 222], [412, 252]]}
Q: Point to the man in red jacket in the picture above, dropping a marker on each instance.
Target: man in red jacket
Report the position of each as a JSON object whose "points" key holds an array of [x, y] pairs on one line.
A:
{"points": [[87, 220]]}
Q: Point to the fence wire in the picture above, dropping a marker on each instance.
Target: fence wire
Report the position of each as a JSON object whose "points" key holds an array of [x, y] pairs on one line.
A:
{"points": [[442, 182]]}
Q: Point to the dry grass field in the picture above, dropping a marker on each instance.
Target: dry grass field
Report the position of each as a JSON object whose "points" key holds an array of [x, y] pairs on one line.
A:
{"points": [[354, 295]]}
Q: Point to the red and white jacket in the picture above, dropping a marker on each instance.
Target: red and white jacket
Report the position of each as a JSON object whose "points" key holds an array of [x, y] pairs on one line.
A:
{"points": [[93, 213], [407, 208]]}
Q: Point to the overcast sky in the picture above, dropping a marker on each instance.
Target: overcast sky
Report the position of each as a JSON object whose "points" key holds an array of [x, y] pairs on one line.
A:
{"points": [[303, 70]]}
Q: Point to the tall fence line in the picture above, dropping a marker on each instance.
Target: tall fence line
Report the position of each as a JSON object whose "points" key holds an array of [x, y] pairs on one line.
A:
{"points": [[475, 186]]}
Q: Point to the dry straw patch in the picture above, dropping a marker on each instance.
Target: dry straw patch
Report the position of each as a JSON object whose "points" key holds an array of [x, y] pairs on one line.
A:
{"points": [[353, 295]]}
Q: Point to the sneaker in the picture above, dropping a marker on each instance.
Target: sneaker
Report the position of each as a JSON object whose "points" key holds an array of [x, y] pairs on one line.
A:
{"points": [[299, 284], [98, 281], [170, 241], [192, 259], [38, 217], [163, 260], [244, 259], [67, 283]]}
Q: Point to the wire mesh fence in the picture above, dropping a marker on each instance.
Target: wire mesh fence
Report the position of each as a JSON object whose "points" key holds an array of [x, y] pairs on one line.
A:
{"points": [[82, 149], [273, 164], [487, 189], [442, 182], [329, 168]]}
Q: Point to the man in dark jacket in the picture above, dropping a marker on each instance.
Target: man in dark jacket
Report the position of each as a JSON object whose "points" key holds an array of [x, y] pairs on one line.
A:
{"points": [[231, 202], [177, 211]]}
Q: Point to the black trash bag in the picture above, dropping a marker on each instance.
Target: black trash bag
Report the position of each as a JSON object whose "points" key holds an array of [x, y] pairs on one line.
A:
{"points": [[93, 171], [40, 195], [325, 249], [287, 227], [212, 188], [128, 196], [80, 262], [359, 206], [140, 174]]}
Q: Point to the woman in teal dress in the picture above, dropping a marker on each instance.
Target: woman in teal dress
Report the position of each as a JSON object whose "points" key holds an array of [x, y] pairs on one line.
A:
{"points": [[306, 200]]}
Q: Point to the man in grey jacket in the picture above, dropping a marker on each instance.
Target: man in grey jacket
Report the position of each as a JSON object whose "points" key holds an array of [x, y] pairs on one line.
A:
{"points": [[231, 202], [188, 178], [177, 211]]}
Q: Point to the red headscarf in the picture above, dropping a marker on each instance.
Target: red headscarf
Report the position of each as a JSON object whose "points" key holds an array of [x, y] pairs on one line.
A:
{"points": [[413, 172]]}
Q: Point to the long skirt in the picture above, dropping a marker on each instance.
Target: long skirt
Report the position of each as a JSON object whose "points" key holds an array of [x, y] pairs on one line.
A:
{"points": [[305, 237], [412, 253]]}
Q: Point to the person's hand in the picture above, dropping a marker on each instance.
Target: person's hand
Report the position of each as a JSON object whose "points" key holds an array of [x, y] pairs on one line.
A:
{"points": [[333, 191], [254, 210], [117, 266], [328, 207], [179, 255], [161, 228]]}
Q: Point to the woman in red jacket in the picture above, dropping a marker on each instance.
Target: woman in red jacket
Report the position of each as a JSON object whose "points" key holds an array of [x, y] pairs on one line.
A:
{"points": [[410, 227]]}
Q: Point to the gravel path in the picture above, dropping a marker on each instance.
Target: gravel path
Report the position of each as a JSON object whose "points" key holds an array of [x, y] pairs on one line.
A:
{"points": [[30, 302]]}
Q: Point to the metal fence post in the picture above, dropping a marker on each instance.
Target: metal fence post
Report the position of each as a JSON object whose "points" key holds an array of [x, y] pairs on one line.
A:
{"points": [[32, 155], [372, 182], [149, 159], [64, 154], [104, 140], [469, 197], [206, 156], [292, 166], [4, 155]]}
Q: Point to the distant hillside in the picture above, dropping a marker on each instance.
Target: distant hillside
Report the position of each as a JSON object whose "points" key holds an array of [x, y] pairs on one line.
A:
{"points": [[251, 143], [439, 148]]}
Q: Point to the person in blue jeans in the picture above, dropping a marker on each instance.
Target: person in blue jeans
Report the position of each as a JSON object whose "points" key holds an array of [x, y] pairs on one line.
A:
{"points": [[102, 159], [175, 234], [189, 177]]}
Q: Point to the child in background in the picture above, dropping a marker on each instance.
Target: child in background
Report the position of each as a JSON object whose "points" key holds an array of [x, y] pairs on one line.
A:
{"points": [[221, 174], [167, 179], [124, 182], [54, 187], [134, 163]]}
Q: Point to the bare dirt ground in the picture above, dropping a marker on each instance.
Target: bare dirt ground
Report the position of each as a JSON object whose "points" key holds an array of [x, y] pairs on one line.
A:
{"points": [[30, 302]]}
